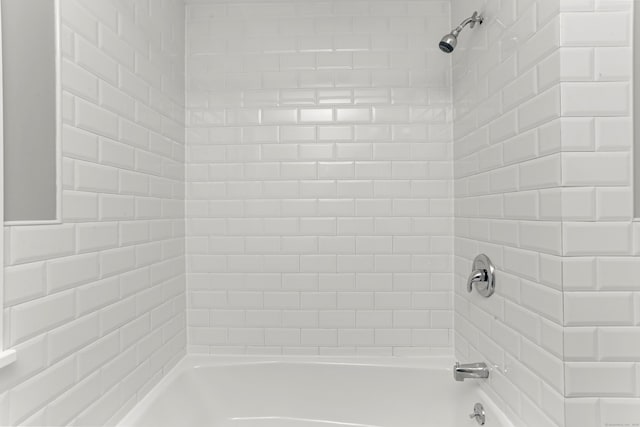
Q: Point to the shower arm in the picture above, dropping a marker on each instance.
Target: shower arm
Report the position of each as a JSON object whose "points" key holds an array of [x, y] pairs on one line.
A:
{"points": [[471, 20]]}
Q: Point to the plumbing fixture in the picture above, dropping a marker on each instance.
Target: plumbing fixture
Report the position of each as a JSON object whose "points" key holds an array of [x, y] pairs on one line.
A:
{"points": [[483, 275], [470, 370], [479, 414], [449, 41]]}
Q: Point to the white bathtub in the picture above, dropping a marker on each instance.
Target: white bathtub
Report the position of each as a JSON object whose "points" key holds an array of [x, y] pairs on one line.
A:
{"points": [[321, 392]]}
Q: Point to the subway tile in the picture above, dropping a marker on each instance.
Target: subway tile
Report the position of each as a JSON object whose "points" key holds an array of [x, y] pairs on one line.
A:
{"points": [[604, 379], [618, 344], [613, 133], [23, 283], [596, 238], [609, 29], [32, 244], [70, 272], [584, 308], [580, 344], [543, 108], [41, 315], [579, 273], [578, 99], [584, 169], [620, 410], [40, 389]]}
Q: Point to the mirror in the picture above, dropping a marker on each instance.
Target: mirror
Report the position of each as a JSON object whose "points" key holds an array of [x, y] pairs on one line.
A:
{"points": [[30, 61], [636, 109]]}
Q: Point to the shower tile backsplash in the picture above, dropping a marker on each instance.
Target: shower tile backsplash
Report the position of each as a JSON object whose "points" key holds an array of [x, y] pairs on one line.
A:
{"points": [[319, 178], [338, 174], [508, 178], [601, 263], [95, 306], [543, 185]]}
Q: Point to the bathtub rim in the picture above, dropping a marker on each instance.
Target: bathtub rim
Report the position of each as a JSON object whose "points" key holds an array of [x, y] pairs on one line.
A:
{"points": [[196, 361]]}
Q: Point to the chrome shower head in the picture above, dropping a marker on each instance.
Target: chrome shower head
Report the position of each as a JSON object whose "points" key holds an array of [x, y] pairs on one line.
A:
{"points": [[449, 41]]}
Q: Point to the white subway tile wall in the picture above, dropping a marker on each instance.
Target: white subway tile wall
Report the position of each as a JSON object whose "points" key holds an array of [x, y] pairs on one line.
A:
{"points": [[325, 144], [508, 179], [543, 185], [319, 177], [602, 289], [95, 307]]}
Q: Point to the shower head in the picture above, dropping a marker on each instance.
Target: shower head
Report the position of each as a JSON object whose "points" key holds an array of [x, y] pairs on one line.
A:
{"points": [[449, 41]]}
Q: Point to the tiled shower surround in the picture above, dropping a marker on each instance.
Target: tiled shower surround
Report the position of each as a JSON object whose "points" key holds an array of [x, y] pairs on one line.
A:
{"points": [[95, 307], [319, 190], [315, 177], [542, 144], [600, 240], [507, 143]]}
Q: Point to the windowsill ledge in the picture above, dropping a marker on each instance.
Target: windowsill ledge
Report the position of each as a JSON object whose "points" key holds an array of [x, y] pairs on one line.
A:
{"points": [[7, 357]]}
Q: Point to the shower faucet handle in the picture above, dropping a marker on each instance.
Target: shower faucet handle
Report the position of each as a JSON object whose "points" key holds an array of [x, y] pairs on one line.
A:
{"points": [[477, 276], [483, 275]]}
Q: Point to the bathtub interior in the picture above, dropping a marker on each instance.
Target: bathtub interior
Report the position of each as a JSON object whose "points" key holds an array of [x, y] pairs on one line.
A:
{"points": [[311, 393]]}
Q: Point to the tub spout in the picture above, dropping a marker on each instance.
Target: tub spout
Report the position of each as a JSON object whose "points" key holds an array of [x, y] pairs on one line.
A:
{"points": [[470, 370]]}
